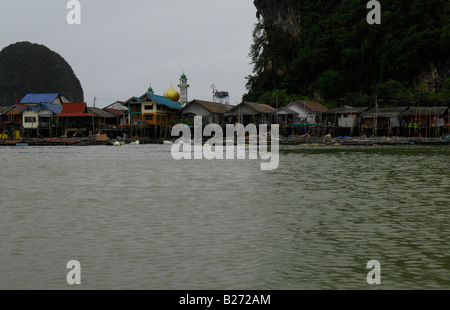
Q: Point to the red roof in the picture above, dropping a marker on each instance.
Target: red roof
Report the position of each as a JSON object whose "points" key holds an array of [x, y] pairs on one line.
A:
{"points": [[313, 106], [74, 109]]}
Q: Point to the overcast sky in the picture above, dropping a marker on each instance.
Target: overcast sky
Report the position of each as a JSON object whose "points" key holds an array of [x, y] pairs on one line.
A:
{"points": [[123, 47]]}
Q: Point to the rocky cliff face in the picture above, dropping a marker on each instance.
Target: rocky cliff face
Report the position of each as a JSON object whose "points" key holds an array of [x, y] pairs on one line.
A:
{"points": [[284, 14], [431, 78], [33, 68], [428, 76]]}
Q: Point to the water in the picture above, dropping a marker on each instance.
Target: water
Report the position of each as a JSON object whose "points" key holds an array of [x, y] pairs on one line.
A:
{"points": [[137, 219]]}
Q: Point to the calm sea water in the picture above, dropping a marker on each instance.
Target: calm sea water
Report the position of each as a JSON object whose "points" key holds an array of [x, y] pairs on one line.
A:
{"points": [[137, 219]]}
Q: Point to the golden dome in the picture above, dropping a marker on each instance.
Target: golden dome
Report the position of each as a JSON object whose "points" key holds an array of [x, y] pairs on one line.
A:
{"points": [[172, 94]]}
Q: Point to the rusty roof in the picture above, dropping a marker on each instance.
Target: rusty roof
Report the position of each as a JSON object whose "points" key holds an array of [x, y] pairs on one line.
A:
{"points": [[310, 105], [213, 107], [257, 107], [423, 111], [260, 107], [384, 112]]}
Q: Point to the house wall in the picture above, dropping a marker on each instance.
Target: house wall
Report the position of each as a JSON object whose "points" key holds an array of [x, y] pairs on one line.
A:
{"points": [[246, 110], [149, 107], [27, 114], [13, 115], [430, 121], [302, 114], [347, 121], [196, 109], [199, 110], [158, 118]]}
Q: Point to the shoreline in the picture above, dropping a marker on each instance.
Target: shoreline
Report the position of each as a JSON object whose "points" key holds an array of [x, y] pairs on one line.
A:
{"points": [[364, 141], [313, 141]]}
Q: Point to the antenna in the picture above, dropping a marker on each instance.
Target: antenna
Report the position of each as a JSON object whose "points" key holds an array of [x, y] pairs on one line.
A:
{"points": [[221, 96]]}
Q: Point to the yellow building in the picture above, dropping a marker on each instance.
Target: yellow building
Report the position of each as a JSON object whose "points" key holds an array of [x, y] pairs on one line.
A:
{"points": [[151, 109]]}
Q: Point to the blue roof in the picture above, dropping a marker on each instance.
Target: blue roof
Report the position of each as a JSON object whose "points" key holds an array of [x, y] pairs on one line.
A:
{"points": [[54, 108], [164, 101], [40, 98], [29, 108]]}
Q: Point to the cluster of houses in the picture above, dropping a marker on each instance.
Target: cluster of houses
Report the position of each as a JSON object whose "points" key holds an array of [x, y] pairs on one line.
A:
{"points": [[151, 115]]}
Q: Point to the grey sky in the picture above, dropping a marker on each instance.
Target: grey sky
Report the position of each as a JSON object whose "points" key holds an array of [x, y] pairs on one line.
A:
{"points": [[121, 47]]}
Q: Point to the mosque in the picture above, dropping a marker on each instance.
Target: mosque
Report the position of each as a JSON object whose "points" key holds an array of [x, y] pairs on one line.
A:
{"points": [[151, 109], [180, 97]]}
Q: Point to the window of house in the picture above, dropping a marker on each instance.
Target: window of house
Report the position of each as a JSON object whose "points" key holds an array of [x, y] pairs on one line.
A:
{"points": [[30, 119], [159, 117], [148, 107], [148, 117]]}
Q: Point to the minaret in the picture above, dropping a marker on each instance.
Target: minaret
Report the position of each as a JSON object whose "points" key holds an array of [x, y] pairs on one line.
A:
{"points": [[183, 88]]}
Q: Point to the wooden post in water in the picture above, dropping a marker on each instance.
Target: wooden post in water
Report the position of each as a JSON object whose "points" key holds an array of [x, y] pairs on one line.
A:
{"points": [[375, 128]]}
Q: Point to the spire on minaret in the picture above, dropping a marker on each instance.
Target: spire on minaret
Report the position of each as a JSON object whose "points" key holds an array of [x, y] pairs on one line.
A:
{"points": [[183, 88], [150, 90]]}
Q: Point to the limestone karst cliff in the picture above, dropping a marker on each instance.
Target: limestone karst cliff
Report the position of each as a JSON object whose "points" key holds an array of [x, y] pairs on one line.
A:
{"points": [[327, 50]]}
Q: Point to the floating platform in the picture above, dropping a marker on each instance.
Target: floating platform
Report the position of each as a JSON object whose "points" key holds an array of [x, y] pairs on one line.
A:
{"points": [[312, 141], [341, 141]]}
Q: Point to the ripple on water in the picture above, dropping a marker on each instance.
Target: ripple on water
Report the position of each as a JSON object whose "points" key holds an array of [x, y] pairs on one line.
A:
{"points": [[135, 218]]}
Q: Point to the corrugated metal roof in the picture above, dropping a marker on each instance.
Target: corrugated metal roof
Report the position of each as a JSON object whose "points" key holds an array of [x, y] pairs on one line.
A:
{"points": [[40, 98], [29, 108], [133, 98], [114, 111], [118, 106], [384, 112], [258, 107], [213, 107], [54, 108], [346, 109], [101, 112], [285, 111], [310, 105], [163, 101], [74, 109], [423, 111]]}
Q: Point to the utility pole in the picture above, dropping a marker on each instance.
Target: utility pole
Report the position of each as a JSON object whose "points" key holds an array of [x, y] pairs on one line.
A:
{"points": [[276, 113], [376, 115]]}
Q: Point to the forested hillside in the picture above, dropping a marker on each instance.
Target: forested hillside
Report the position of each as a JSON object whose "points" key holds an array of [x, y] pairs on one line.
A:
{"points": [[326, 50], [33, 68]]}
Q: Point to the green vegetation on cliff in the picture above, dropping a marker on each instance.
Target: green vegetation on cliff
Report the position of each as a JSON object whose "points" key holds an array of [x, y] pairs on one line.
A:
{"points": [[33, 68], [339, 58]]}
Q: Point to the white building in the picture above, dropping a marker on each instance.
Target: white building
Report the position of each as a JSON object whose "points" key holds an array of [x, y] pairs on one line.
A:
{"points": [[183, 89]]}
